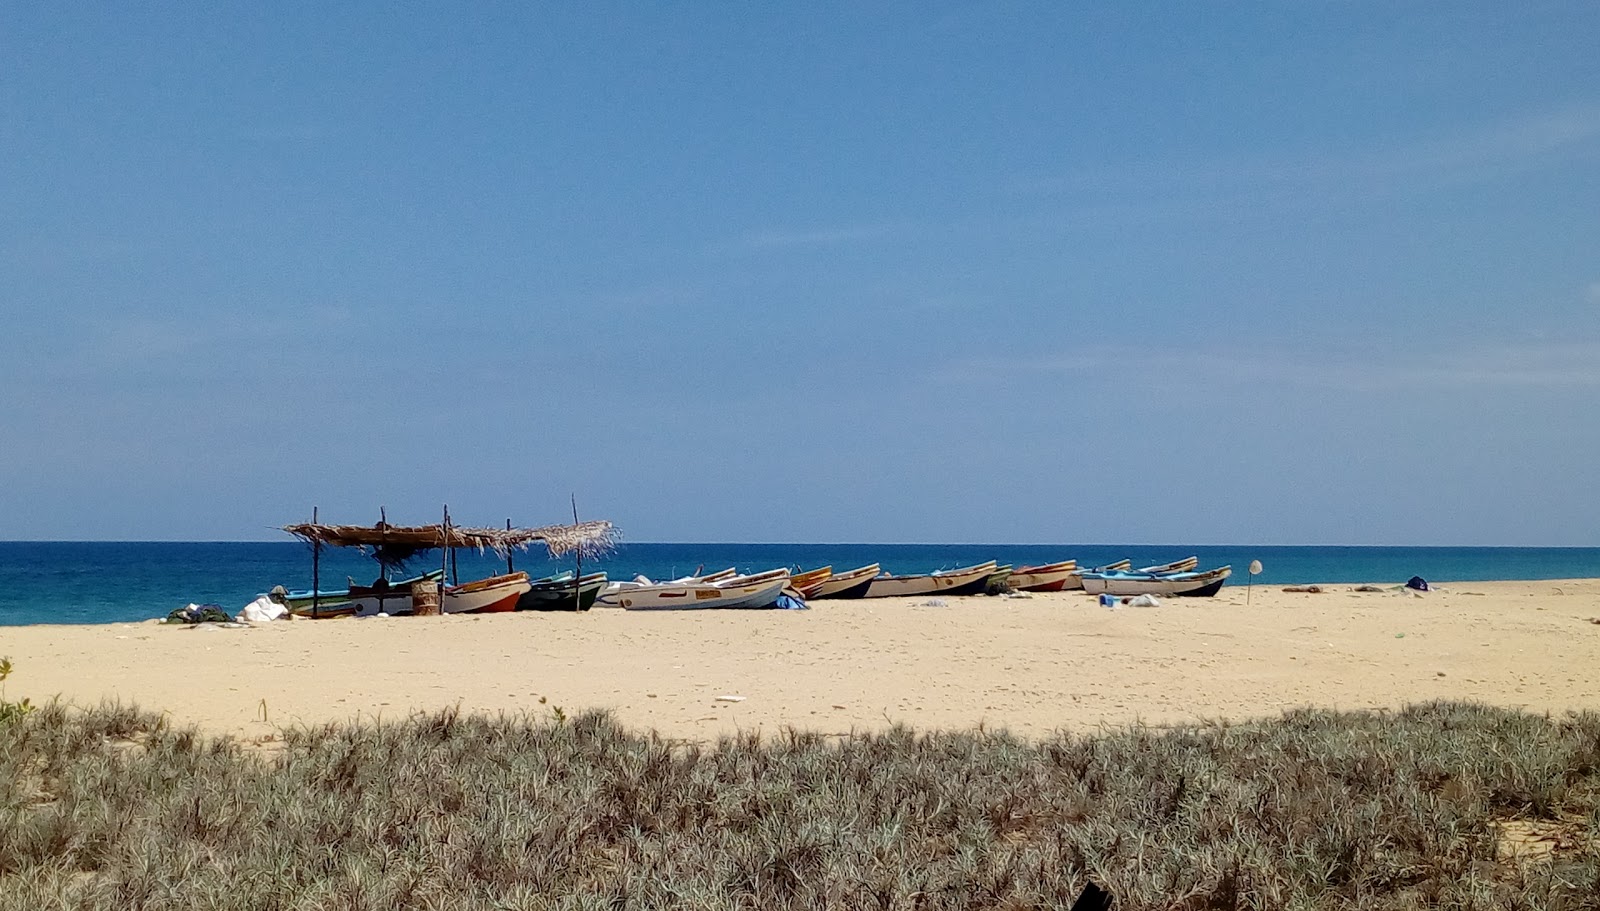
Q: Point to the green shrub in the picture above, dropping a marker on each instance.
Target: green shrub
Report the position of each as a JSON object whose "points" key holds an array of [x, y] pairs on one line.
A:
{"points": [[10, 712]]}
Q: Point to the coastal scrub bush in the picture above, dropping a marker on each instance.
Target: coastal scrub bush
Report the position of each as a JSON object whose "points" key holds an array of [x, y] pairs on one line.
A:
{"points": [[10, 712], [113, 808]]}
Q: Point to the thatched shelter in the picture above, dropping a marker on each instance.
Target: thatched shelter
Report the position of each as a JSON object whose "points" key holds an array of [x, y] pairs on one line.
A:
{"points": [[395, 544]]}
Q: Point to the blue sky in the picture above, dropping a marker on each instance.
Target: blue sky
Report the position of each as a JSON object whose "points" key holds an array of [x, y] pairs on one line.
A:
{"points": [[1298, 272]]}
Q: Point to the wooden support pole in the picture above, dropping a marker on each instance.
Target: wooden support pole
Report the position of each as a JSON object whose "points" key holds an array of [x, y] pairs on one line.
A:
{"points": [[383, 539], [444, 560], [316, 571], [509, 568], [577, 577]]}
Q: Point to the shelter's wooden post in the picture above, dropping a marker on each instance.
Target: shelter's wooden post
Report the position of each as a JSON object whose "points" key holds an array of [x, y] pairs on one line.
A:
{"points": [[444, 559], [509, 568], [383, 569], [577, 577], [316, 571]]}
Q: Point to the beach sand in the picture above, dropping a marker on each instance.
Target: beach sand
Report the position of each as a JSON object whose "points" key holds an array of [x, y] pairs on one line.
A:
{"points": [[1029, 664]]}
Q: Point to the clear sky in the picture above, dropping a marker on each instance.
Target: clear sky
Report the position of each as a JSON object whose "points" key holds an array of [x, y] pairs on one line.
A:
{"points": [[1293, 272]]}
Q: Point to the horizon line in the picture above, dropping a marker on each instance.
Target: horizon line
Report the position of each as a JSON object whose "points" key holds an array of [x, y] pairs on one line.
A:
{"points": [[862, 543]]}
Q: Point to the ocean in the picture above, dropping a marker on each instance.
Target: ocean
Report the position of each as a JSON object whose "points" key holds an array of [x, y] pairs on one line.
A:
{"points": [[113, 582]]}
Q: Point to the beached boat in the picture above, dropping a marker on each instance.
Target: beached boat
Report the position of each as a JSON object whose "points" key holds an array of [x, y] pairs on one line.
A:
{"points": [[969, 580], [999, 581], [739, 592], [750, 578], [1182, 585], [496, 594], [852, 584], [557, 592], [1046, 577], [1075, 581], [721, 575], [385, 597], [1187, 564], [810, 579], [481, 596], [336, 602]]}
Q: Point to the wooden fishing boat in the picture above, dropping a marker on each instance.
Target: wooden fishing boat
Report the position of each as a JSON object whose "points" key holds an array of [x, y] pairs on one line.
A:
{"points": [[1075, 581], [766, 576], [739, 592], [561, 593], [1187, 564], [496, 594], [998, 581], [385, 597], [1046, 577], [810, 579], [1180, 585], [852, 584], [482, 596], [721, 575], [336, 602], [969, 580]]}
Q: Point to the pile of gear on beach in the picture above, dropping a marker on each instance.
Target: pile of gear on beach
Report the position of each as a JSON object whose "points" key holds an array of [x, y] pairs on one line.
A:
{"points": [[261, 610]]}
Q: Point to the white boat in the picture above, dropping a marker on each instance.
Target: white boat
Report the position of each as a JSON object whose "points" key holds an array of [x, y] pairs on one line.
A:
{"points": [[852, 584], [755, 577], [371, 600], [969, 580], [748, 591], [1182, 585], [721, 575]]}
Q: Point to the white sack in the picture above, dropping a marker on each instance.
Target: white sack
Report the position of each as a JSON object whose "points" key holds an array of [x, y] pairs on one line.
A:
{"points": [[262, 610]]}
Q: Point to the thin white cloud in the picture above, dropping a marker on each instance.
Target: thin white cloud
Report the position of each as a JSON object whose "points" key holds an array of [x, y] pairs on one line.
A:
{"points": [[1562, 364], [1428, 162], [1470, 155]]}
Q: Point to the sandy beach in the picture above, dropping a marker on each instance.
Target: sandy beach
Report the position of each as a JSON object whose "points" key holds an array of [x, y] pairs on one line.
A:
{"points": [[1030, 664]]}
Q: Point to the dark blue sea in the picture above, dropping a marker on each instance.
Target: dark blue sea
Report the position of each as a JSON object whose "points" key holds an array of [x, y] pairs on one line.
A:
{"points": [[109, 582]]}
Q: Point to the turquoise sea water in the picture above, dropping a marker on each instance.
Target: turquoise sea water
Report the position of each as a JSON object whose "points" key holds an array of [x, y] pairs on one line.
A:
{"points": [[107, 582]]}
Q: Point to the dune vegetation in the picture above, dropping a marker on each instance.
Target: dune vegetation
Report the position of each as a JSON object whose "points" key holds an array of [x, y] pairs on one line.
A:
{"points": [[1440, 805]]}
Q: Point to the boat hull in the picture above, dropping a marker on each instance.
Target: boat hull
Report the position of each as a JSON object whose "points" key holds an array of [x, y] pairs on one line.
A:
{"points": [[347, 602], [557, 595], [802, 582], [998, 582], [854, 592], [1051, 577], [851, 585], [325, 609], [672, 596], [1187, 564], [1177, 585], [495, 595], [1074, 582], [971, 580]]}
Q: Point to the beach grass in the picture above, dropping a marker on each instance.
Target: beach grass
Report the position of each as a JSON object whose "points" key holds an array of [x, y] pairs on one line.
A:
{"points": [[1439, 805]]}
